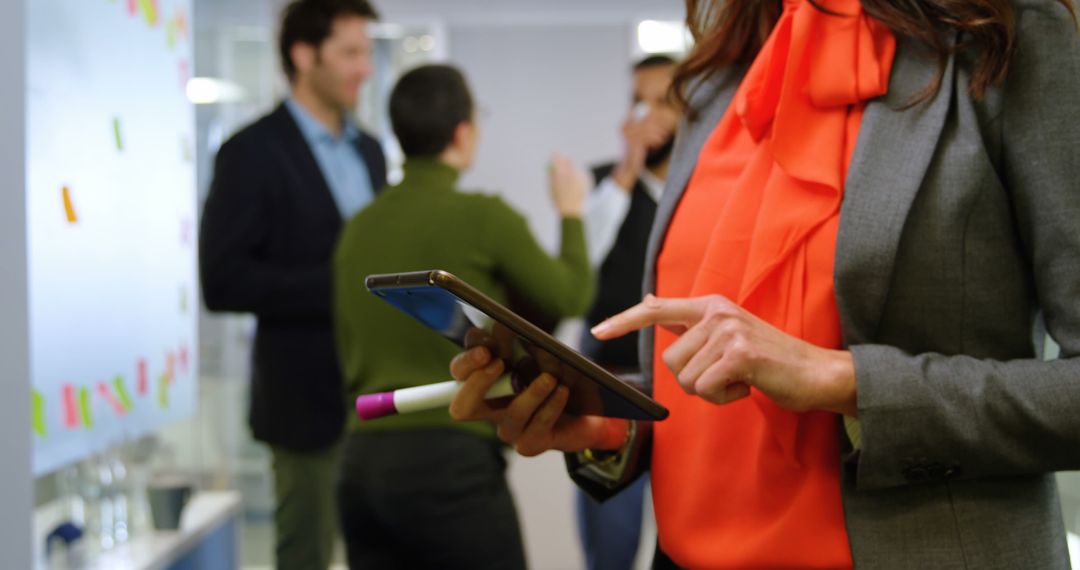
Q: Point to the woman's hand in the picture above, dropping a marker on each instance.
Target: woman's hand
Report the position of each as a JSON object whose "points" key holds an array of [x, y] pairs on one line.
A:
{"points": [[723, 350], [533, 421]]}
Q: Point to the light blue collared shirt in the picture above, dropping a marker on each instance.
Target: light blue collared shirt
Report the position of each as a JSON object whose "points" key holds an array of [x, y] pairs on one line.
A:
{"points": [[340, 163]]}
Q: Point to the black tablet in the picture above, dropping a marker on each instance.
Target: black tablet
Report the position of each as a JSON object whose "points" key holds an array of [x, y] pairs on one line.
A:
{"points": [[451, 307]]}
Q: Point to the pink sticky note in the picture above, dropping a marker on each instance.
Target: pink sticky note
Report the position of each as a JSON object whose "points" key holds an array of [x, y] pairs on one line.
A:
{"points": [[142, 381], [185, 232], [107, 395], [71, 407], [182, 358], [183, 73], [133, 7]]}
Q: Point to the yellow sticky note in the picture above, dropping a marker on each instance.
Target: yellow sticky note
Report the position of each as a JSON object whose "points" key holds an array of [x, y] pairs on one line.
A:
{"points": [[170, 34], [149, 11], [119, 140], [37, 401], [163, 390], [69, 207]]}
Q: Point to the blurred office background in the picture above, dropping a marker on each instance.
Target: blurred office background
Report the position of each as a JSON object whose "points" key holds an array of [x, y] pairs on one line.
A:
{"points": [[549, 76]]}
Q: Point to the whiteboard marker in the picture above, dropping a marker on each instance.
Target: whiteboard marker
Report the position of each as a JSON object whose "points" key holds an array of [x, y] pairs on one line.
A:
{"points": [[419, 398]]}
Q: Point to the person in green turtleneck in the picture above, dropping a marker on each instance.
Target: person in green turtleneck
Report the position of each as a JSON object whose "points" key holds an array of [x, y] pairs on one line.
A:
{"points": [[421, 490]]}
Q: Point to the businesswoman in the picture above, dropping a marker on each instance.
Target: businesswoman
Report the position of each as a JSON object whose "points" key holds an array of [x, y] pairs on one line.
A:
{"points": [[869, 206]]}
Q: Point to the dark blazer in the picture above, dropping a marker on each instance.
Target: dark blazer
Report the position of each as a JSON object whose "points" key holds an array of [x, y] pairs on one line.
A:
{"points": [[959, 223], [268, 231], [618, 278]]}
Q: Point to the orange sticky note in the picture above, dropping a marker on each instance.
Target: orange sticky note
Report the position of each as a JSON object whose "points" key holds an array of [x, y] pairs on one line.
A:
{"points": [[181, 23], [69, 207], [170, 367]]}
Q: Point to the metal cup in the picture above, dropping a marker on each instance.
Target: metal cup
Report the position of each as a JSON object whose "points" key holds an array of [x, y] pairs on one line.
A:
{"points": [[167, 500]]}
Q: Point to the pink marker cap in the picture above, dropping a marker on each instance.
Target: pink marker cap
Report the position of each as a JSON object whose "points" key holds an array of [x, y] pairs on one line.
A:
{"points": [[374, 406]]}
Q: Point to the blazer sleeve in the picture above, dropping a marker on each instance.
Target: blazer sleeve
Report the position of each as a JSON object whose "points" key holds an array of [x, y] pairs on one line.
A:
{"points": [[235, 274], [929, 417]]}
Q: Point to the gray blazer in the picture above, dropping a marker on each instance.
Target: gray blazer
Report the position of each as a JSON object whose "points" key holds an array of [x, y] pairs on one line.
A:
{"points": [[960, 221]]}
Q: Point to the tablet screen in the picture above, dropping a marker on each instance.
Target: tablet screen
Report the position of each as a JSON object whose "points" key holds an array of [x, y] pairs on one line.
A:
{"points": [[463, 315]]}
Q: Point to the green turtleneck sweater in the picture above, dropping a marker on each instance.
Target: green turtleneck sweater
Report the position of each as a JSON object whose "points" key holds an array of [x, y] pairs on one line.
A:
{"points": [[426, 223]]}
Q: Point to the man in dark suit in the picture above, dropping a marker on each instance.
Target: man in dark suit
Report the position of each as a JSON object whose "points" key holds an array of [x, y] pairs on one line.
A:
{"points": [[618, 218], [281, 190]]}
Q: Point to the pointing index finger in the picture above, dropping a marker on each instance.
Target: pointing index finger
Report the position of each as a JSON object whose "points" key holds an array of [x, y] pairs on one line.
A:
{"points": [[674, 314]]}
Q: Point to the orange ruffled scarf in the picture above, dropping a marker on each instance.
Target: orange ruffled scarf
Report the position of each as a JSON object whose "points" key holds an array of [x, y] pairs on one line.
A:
{"points": [[750, 485]]}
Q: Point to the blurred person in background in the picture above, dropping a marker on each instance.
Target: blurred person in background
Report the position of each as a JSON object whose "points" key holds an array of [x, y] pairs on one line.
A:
{"points": [[618, 218], [281, 190], [420, 490]]}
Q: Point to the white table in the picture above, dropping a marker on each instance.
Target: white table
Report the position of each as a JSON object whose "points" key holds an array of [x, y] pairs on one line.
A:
{"points": [[210, 520]]}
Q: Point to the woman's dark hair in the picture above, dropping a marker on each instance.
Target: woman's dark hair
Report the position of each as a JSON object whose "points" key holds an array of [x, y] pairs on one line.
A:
{"points": [[732, 32], [311, 21], [426, 106]]}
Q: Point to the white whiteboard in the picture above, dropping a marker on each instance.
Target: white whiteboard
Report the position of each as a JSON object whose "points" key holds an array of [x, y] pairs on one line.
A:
{"points": [[111, 222]]}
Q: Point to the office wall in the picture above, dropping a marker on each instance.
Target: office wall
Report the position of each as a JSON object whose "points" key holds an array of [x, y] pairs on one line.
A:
{"points": [[16, 484], [541, 89]]}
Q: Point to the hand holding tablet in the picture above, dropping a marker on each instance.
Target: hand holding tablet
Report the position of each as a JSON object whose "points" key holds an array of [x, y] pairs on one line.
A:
{"points": [[450, 306]]}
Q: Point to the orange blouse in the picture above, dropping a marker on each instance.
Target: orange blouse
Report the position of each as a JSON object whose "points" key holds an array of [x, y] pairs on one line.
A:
{"points": [[750, 485]]}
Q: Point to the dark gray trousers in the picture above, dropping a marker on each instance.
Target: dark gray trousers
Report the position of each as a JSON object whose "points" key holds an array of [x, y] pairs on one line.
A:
{"points": [[427, 499]]}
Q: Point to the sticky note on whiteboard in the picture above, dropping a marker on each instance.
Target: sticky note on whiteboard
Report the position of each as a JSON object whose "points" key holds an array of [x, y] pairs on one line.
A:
{"points": [[112, 401], [142, 382], [71, 407], [84, 407], [69, 207], [37, 401], [118, 139], [150, 11], [163, 390], [122, 393]]}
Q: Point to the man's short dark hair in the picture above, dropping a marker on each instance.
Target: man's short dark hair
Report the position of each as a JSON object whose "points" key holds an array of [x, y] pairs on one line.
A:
{"points": [[311, 21], [426, 106], [656, 60]]}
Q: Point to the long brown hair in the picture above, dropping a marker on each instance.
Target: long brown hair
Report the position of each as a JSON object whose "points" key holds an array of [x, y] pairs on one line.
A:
{"points": [[731, 32]]}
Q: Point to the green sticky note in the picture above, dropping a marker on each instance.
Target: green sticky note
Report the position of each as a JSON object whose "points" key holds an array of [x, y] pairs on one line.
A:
{"points": [[149, 10], [38, 403], [84, 407], [163, 390], [116, 133], [122, 393]]}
